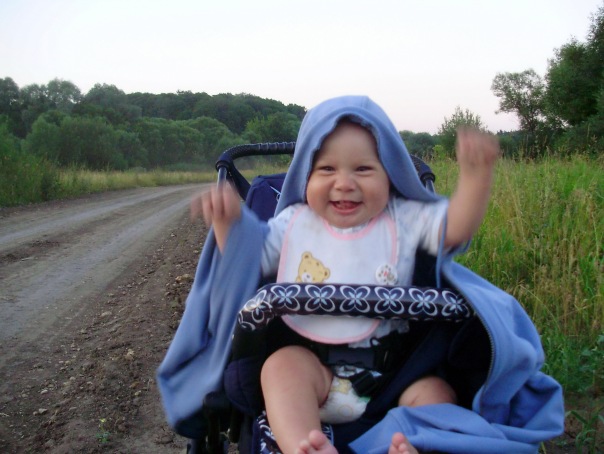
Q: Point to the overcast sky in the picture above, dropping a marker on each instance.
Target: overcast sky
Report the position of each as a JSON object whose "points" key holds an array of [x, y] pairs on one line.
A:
{"points": [[418, 59]]}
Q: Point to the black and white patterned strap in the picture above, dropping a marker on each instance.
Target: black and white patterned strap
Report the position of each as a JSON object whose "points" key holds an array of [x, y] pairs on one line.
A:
{"points": [[382, 302]]}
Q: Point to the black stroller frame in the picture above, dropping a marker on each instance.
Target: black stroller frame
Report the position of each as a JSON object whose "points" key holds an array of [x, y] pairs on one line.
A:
{"points": [[231, 416]]}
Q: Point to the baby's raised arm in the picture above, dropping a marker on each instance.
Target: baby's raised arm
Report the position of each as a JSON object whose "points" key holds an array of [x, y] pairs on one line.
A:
{"points": [[220, 207], [477, 153]]}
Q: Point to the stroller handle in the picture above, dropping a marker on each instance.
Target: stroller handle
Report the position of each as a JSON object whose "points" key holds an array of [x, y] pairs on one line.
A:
{"points": [[255, 149], [406, 302], [225, 165], [424, 172], [227, 158]]}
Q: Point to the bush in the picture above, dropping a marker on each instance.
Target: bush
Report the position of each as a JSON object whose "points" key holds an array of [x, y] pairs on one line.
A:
{"points": [[24, 178]]}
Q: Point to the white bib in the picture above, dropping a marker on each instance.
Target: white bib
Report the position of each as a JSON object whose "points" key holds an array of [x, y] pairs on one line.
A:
{"points": [[314, 251]]}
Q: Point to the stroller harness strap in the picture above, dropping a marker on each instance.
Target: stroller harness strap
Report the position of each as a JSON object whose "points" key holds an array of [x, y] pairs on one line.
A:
{"points": [[375, 361], [379, 357]]}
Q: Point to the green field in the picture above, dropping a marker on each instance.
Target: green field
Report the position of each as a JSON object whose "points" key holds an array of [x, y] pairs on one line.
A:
{"points": [[542, 242]]}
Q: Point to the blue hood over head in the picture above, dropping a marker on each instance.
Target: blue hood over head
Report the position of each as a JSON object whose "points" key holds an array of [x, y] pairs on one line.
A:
{"points": [[321, 120]]}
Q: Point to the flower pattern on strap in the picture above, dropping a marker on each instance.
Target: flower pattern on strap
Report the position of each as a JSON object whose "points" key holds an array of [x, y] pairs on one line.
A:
{"points": [[382, 302], [320, 298]]}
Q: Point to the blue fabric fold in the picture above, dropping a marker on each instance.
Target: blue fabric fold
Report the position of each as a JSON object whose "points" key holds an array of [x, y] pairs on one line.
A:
{"points": [[195, 361]]}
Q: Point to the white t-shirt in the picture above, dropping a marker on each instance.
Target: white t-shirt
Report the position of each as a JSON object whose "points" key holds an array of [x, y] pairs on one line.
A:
{"points": [[379, 252]]}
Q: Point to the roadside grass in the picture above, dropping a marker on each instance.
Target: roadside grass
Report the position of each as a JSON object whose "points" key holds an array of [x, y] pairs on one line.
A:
{"points": [[39, 181], [76, 182], [541, 241]]}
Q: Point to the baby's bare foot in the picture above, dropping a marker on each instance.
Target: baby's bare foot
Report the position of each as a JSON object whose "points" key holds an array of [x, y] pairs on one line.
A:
{"points": [[317, 443], [400, 445]]}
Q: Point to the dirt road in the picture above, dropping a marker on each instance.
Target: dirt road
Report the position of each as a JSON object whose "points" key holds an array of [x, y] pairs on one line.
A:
{"points": [[91, 291]]}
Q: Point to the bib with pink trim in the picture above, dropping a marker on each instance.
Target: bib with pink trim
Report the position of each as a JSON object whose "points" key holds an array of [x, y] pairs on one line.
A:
{"points": [[314, 251]]}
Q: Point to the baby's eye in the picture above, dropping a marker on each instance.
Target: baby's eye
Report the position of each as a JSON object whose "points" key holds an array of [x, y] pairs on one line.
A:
{"points": [[325, 168], [364, 169]]}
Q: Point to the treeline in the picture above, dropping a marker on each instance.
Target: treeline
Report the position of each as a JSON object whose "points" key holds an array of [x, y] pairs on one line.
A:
{"points": [[109, 129], [563, 111]]}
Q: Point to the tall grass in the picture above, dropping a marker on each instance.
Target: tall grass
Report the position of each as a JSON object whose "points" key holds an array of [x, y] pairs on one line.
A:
{"points": [[39, 181], [541, 241], [76, 182]]}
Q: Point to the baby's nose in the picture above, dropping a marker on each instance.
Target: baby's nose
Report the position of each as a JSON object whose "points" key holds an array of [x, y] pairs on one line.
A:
{"points": [[344, 181]]}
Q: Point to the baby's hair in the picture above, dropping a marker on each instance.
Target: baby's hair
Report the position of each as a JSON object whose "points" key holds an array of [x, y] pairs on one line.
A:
{"points": [[350, 120]]}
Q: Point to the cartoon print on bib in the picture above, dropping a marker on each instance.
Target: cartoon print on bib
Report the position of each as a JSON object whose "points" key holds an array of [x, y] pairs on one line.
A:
{"points": [[311, 269], [386, 274]]}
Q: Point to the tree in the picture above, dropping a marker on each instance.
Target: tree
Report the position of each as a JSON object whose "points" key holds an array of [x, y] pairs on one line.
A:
{"points": [[91, 142], [9, 95], [44, 139], [37, 99], [576, 75], [132, 150], [420, 144], [169, 142], [232, 110], [277, 127], [214, 135], [448, 130], [523, 94], [34, 102], [572, 84], [110, 102], [62, 95], [10, 105], [575, 90]]}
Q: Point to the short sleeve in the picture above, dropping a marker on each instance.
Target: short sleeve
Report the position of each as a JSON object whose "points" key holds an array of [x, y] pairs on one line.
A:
{"points": [[419, 224], [271, 252], [434, 214]]}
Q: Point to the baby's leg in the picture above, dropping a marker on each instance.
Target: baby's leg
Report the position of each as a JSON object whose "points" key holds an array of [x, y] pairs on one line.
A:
{"points": [[295, 384], [427, 391], [400, 445]]}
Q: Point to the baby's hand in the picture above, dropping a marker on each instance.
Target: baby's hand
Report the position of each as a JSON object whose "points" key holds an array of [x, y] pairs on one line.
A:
{"points": [[220, 206], [476, 150]]}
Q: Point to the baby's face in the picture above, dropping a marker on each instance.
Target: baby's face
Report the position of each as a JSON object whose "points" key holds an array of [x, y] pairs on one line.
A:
{"points": [[348, 184]]}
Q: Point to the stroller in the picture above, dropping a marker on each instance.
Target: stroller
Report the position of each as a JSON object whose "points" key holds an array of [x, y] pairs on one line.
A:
{"points": [[448, 336]]}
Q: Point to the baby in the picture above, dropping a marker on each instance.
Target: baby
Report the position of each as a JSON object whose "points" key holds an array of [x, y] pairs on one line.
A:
{"points": [[357, 222]]}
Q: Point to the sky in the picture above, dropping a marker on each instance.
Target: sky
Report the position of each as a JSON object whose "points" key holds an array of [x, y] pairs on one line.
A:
{"points": [[418, 59]]}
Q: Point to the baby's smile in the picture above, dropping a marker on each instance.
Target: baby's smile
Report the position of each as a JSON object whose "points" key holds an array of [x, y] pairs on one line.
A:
{"points": [[345, 204]]}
